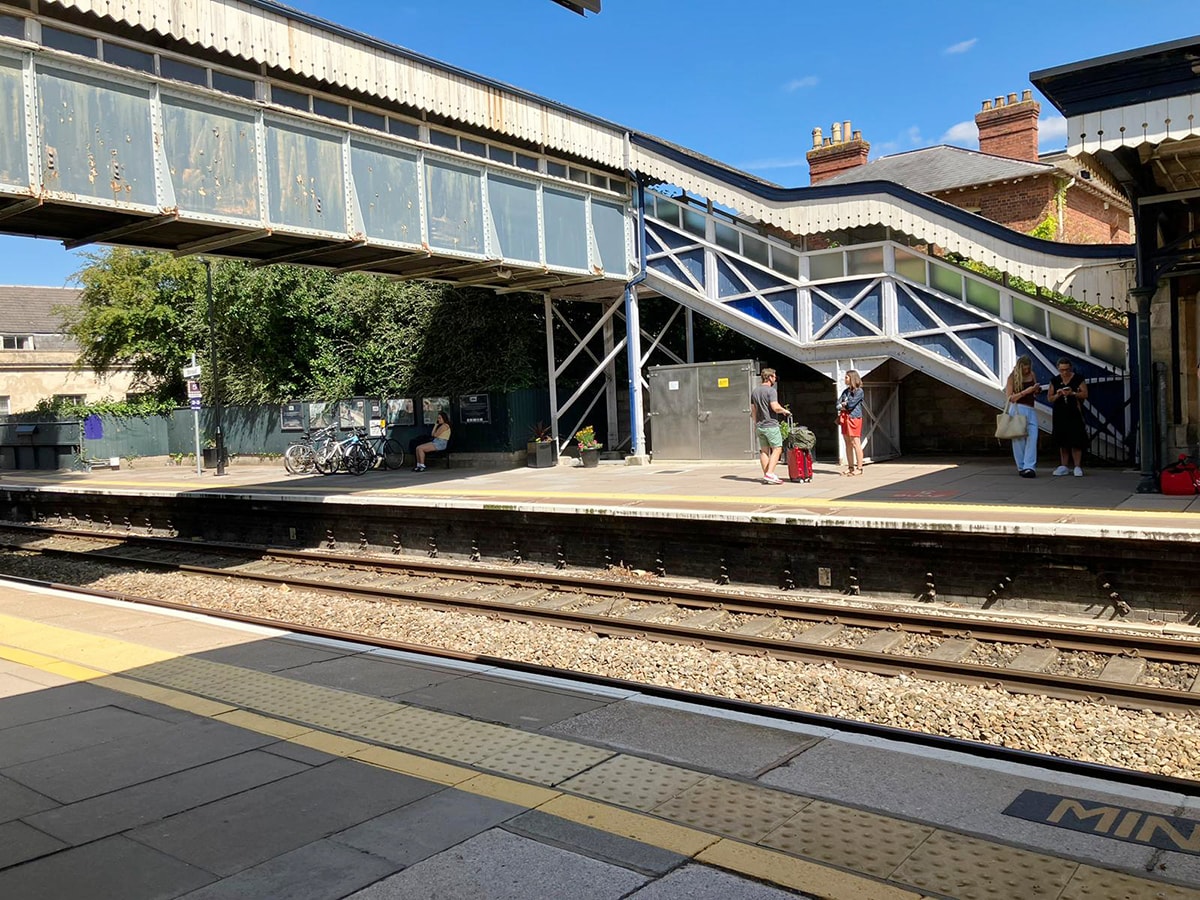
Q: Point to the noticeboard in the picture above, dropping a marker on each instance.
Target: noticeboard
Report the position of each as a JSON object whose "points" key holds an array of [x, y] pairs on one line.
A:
{"points": [[475, 409], [431, 406], [291, 417], [400, 411], [352, 413]]}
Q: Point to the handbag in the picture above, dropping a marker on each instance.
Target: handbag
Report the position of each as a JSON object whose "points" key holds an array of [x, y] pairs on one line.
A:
{"points": [[1180, 479], [1010, 425]]}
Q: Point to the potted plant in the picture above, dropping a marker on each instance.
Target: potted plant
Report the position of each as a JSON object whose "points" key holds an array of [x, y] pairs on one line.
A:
{"points": [[539, 451], [589, 447]]}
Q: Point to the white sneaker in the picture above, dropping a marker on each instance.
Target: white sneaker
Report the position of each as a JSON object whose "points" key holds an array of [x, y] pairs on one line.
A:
{"points": [[1062, 470], [772, 479], [1078, 472]]}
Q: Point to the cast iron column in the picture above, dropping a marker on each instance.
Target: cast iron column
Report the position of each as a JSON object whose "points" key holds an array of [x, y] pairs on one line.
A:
{"points": [[216, 370]]}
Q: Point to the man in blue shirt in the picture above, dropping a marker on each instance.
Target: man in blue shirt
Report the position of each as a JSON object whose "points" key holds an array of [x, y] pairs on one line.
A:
{"points": [[764, 404]]}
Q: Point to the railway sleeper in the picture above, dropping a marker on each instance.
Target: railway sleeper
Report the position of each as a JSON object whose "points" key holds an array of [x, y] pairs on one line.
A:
{"points": [[1034, 659], [1123, 669], [954, 649]]}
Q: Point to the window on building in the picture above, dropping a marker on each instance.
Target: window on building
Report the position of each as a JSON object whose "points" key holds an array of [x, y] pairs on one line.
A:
{"points": [[67, 399], [18, 342], [69, 41], [5, 407]]}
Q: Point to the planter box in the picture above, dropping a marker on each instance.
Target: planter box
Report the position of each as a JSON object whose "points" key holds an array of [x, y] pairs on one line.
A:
{"points": [[589, 458], [540, 454]]}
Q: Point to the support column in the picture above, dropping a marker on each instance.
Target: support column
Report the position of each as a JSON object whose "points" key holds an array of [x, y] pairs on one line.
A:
{"points": [[551, 365], [1145, 374], [691, 334], [633, 353], [612, 439]]}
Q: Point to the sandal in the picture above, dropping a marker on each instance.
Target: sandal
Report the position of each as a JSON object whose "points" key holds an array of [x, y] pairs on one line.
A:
{"points": [[857, 471]]}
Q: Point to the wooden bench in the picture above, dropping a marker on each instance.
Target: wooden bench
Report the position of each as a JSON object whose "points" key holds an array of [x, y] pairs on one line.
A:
{"points": [[438, 454]]}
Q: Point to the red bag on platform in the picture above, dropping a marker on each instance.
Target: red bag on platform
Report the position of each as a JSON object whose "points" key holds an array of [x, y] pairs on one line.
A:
{"points": [[1180, 479]]}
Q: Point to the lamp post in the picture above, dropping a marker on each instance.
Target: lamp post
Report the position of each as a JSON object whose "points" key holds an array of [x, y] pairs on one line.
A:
{"points": [[216, 370]]}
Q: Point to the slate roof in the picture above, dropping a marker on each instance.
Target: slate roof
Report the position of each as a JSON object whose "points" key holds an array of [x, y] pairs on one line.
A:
{"points": [[27, 310], [941, 168]]}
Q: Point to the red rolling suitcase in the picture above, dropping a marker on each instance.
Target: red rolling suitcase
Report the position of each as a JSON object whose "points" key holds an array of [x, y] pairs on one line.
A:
{"points": [[799, 462]]}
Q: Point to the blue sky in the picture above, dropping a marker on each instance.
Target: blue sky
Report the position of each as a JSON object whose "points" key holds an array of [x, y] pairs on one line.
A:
{"points": [[747, 82]]}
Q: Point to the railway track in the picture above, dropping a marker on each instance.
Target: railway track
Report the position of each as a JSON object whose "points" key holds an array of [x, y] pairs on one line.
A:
{"points": [[1121, 667]]}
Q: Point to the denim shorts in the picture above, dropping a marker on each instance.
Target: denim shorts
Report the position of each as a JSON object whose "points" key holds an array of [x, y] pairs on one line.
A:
{"points": [[769, 437], [438, 443]]}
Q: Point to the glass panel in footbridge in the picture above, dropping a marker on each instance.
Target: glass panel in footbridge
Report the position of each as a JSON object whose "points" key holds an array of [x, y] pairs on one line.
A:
{"points": [[513, 205], [212, 155], [455, 198], [96, 137], [14, 165]]}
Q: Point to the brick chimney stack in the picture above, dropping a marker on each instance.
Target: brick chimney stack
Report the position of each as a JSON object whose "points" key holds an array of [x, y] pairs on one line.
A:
{"points": [[832, 156], [1008, 127]]}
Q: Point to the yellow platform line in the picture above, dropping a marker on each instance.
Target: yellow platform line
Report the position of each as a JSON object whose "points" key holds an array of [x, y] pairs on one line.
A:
{"points": [[54, 650]]}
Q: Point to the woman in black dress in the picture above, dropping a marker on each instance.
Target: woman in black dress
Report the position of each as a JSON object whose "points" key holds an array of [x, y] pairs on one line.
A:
{"points": [[1068, 390]]}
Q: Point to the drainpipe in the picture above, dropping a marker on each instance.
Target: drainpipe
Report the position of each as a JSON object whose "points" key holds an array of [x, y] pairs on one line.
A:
{"points": [[633, 334]]}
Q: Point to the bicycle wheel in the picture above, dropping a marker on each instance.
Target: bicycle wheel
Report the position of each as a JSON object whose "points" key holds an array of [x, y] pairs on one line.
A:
{"points": [[357, 459], [393, 454], [328, 459], [299, 459]]}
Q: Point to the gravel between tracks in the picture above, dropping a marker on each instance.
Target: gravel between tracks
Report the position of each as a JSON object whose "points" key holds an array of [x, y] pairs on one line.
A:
{"points": [[1167, 744]]}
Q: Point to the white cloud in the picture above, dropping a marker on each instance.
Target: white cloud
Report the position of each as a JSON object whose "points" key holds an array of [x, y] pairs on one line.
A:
{"points": [[797, 83], [1052, 131], [962, 134], [961, 46]]}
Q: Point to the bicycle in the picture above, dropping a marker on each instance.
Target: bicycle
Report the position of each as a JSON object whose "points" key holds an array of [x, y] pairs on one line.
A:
{"points": [[351, 454], [300, 458], [386, 452]]}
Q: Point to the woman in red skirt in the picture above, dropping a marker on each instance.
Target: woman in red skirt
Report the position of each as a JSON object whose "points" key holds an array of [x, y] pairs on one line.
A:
{"points": [[850, 422]]}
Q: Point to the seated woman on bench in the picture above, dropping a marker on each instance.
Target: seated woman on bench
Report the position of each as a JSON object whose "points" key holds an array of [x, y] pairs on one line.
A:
{"points": [[439, 441]]}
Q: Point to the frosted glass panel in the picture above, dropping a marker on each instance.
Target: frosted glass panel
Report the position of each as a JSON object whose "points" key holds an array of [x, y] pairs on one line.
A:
{"points": [[825, 265], [728, 238], [755, 249], [515, 217], [1029, 316], [983, 296], [785, 263], [867, 261], [566, 230], [455, 202], [1067, 331], [1107, 346], [608, 221], [667, 211], [948, 281], [910, 267], [693, 222]]}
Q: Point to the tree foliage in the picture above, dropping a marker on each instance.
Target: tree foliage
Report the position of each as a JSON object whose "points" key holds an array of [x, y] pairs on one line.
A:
{"points": [[285, 332]]}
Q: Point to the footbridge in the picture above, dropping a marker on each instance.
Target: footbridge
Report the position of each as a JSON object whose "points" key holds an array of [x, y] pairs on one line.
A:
{"points": [[247, 129]]}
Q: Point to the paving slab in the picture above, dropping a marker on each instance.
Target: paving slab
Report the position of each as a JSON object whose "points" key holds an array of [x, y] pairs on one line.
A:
{"points": [[499, 865], [931, 787], [272, 654], [499, 700], [601, 845], [712, 744], [18, 801], [317, 871], [427, 826], [371, 674], [25, 708], [244, 830], [703, 883], [26, 745], [20, 842], [121, 810], [87, 772], [115, 867]]}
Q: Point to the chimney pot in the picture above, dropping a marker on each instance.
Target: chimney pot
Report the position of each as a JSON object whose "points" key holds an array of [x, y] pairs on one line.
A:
{"points": [[837, 132], [1012, 98], [987, 104], [846, 130], [999, 102], [858, 135], [1026, 96], [816, 136]]}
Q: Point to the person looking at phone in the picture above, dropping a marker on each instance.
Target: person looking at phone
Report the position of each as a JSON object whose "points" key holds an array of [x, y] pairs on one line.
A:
{"points": [[1068, 390]]}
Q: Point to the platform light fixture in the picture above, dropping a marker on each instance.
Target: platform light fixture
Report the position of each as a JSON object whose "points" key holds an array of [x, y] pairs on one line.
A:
{"points": [[583, 7]]}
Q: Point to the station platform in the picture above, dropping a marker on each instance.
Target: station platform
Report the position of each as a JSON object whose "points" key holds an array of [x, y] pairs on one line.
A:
{"points": [[154, 754], [983, 496]]}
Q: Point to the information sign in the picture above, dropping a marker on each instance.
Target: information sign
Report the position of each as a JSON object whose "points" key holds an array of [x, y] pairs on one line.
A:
{"points": [[475, 409]]}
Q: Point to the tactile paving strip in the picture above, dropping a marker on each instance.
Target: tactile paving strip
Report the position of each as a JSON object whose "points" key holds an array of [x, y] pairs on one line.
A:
{"points": [[732, 808], [402, 723], [1100, 884], [545, 760], [970, 869], [466, 741], [850, 838], [632, 782]]}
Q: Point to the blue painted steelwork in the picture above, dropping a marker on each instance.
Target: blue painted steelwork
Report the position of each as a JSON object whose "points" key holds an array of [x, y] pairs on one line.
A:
{"points": [[882, 299]]}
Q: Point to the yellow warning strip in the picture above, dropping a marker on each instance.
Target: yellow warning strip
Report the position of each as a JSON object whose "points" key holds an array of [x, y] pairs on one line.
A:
{"points": [[78, 656]]}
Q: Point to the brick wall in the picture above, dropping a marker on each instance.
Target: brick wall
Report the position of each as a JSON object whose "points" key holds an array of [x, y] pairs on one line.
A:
{"points": [[1021, 206], [936, 418], [1088, 222]]}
